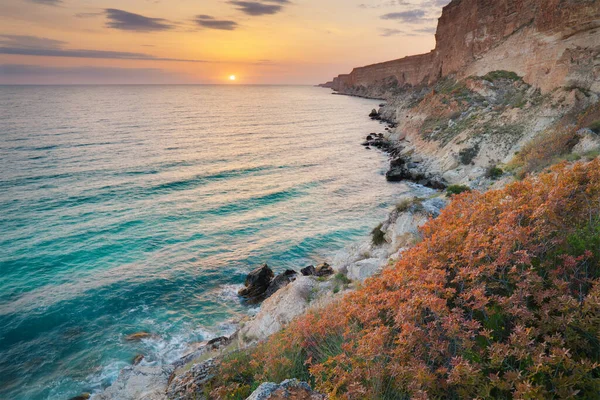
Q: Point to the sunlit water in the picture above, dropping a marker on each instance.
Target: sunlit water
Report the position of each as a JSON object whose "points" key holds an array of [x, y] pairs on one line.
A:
{"points": [[126, 209]]}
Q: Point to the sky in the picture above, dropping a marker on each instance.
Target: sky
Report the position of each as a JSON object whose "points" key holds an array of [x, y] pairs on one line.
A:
{"points": [[206, 41]]}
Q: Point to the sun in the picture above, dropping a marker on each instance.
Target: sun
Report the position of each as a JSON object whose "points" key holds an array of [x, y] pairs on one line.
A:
{"points": [[232, 78]]}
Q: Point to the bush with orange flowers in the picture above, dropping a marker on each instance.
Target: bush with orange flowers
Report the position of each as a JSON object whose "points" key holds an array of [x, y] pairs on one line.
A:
{"points": [[501, 300]]}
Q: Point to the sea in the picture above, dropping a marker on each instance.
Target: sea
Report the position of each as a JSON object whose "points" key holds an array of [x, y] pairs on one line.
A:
{"points": [[142, 208]]}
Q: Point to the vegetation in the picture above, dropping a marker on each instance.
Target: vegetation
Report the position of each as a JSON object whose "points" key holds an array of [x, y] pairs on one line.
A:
{"points": [[467, 155], [378, 236], [416, 203], [453, 190], [497, 75], [493, 172], [595, 127], [500, 300]]}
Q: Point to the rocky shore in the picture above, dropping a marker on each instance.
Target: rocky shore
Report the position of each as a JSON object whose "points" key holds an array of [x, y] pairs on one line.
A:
{"points": [[282, 298]]}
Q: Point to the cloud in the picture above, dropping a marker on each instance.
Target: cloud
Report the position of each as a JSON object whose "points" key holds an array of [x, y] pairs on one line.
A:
{"points": [[386, 32], [126, 21], [44, 47], [206, 21], [256, 8], [388, 3], [47, 2], [29, 42], [32, 74], [406, 16]]}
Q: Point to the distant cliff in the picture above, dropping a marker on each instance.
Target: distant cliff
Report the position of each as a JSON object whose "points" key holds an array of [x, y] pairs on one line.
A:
{"points": [[550, 43]]}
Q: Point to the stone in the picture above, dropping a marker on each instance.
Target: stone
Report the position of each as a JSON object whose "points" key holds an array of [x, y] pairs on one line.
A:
{"points": [[308, 271], [137, 359], [189, 385], [139, 336], [82, 396], [139, 382], [374, 114], [290, 389], [324, 270], [257, 283], [280, 281]]}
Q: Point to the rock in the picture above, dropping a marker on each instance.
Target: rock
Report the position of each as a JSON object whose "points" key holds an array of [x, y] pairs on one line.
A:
{"points": [[308, 271], [189, 385], [137, 359], [374, 114], [280, 281], [278, 310], [257, 283], [82, 396], [139, 382], [138, 336], [324, 270], [369, 137], [290, 389], [363, 269]]}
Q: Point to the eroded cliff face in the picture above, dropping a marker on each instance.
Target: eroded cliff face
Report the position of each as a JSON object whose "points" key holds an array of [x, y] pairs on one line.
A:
{"points": [[550, 43]]}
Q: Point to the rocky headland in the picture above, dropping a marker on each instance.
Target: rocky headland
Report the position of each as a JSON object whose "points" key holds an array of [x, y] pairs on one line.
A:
{"points": [[511, 87]]}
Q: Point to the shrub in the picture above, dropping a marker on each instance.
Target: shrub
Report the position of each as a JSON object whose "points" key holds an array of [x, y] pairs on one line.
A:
{"points": [[377, 236], [457, 189], [497, 75], [595, 127], [493, 172], [544, 150], [468, 154], [500, 300], [406, 204]]}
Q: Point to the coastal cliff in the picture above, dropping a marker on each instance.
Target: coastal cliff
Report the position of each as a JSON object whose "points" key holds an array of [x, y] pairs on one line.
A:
{"points": [[549, 43]]}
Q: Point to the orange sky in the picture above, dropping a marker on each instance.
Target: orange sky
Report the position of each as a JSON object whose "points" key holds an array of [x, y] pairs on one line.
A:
{"points": [[192, 41]]}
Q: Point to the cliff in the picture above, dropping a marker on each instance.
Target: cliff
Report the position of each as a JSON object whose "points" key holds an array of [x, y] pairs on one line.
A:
{"points": [[549, 43]]}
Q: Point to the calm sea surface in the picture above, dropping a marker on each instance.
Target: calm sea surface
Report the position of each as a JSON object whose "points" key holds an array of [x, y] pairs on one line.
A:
{"points": [[141, 208]]}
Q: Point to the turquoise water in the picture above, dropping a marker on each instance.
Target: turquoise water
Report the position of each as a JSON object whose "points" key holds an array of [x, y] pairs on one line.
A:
{"points": [[141, 208]]}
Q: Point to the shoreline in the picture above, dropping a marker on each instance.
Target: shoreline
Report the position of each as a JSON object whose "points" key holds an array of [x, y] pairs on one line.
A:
{"points": [[154, 378]]}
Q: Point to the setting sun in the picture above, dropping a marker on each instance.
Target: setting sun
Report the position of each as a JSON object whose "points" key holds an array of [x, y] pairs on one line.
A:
{"points": [[232, 77]]}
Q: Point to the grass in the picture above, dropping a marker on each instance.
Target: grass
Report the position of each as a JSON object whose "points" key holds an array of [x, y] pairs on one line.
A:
{"points": [[468, 154], [406, 204], [340, 281]]}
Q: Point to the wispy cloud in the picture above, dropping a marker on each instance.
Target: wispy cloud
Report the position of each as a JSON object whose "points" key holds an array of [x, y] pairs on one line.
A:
{"points": [[127, 21], [45, 47], [386, 32], [20, 73], [255, 8], [207, 21], [47, 2], [406, 16]]}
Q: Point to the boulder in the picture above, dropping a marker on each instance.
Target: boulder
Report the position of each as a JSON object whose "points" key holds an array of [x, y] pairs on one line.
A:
{"points": [[288, 389], [324, 270], [138, 336], [280, 281], [82, 396], [308, 271], [137, 359], [139, 382], [257, 283], [374, 114], [190, 384]]}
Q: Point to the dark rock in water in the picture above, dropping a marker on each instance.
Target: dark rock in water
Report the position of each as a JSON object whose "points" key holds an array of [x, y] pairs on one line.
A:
{"points": [[380, 135], [370, 137], [138, 336], [382, 105], [137, 359], [257, 283], [368, 148], [308, 271], [216, 342], [280, 281], [324, 270], [374, 114], [82, 396], [401, 170]]}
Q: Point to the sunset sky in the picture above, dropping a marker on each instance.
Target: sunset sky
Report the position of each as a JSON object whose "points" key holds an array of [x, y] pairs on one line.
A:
{"points": [[206, 41]]}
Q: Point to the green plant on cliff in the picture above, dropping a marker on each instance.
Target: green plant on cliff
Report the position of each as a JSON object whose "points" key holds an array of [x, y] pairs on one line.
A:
{"points": [[501, 300], [501, 74], [378, 236]]}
